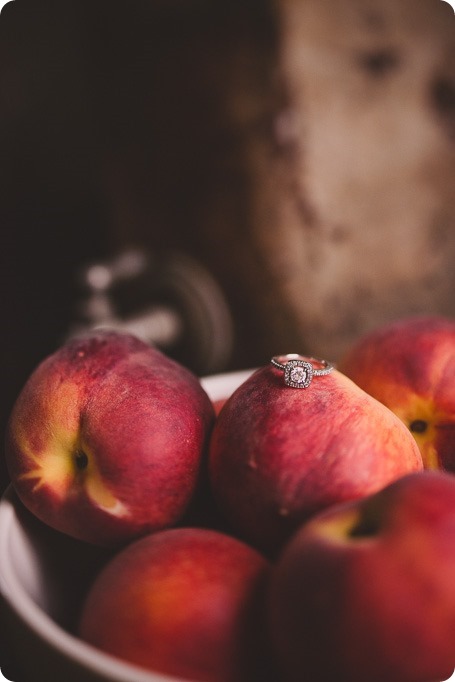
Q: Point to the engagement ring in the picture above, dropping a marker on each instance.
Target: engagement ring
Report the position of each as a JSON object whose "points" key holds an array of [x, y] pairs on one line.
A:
{"points": [[299, 370]]}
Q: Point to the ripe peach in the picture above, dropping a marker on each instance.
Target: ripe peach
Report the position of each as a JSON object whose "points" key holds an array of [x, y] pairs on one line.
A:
{"points": [[279, 454], [366, 591], [409, 365], [187, 602], [106, 439]]}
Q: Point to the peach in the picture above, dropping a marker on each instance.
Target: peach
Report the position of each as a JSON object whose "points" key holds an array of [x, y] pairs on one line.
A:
{"points": [[106, 439], [409, 365], [366, 591], [186, 602], [279, 454]]}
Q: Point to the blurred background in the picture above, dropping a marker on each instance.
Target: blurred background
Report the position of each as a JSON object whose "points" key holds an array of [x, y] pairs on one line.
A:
{"points": [[230, 180]]}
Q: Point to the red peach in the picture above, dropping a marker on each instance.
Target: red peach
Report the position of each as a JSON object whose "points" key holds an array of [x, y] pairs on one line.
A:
{"points": [[409, 365], [279, 454], [365, 591], [186, 602], [106, 439]]}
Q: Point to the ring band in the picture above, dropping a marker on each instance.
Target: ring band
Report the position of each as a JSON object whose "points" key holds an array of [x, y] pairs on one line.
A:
{"points": [[298, 369]]}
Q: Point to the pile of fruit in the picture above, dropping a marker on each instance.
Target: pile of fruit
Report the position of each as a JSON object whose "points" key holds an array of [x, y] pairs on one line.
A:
{"points": [[287, 535]]}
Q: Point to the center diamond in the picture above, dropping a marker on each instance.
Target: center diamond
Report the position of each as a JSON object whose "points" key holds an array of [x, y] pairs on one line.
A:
{"points": [[298, 373]]}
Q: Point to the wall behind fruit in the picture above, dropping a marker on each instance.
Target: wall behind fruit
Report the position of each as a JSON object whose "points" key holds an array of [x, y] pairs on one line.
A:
{"points": [[302, 152]]}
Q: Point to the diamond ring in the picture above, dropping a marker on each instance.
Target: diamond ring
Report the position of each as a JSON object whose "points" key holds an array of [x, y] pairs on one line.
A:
{"points": [[298, 369]]}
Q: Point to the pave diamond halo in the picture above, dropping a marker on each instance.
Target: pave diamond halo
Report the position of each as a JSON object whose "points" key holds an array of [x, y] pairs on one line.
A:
{"points": [[298, 373], [299, 370]]}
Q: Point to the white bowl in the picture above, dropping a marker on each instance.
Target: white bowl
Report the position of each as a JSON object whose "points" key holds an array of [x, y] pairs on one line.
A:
{"points": [[43, 577]]}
